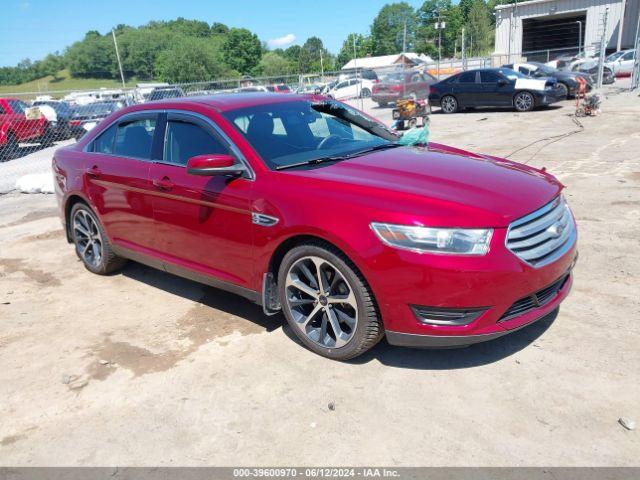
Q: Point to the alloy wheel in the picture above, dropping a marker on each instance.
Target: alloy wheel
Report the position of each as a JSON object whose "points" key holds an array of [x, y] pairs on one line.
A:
{"points": [[449, 104], [524, 101], [321, 301], [88, 238]]}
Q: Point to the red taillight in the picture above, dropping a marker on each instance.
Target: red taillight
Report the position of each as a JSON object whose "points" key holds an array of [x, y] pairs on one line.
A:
{"points": [[431, 89], [75, 123], [396, 88]]}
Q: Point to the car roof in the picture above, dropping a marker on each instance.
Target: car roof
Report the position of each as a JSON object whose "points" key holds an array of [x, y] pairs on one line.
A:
{"points": [[231, 101]]}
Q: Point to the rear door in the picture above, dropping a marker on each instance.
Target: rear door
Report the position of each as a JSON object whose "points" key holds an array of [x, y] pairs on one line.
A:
{"points": [[468, 89], [203, 222], [117, 180]]}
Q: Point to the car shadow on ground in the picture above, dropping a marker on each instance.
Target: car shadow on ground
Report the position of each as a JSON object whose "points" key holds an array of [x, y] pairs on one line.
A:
{"points": [[546, 108], [22, 151], [455, 358], [392, 356], [203, 294]]}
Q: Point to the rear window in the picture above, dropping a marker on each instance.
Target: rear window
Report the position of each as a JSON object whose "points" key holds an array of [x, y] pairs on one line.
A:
{"points": [[135, 138], [283, 88], [468, 77]]}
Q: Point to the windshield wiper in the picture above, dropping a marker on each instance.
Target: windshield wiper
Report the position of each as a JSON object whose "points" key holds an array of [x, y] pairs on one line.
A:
{"points": [[338, 158]]}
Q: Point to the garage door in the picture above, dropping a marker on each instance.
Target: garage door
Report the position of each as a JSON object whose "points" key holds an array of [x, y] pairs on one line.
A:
{"points": [[558, 32]]}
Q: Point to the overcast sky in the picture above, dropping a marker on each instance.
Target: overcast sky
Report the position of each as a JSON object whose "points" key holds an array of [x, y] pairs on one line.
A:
{"points": [[33, 28]]}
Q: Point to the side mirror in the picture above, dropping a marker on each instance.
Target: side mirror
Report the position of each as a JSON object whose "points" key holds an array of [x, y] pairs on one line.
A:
{"points": [[502, 82], [210, 165]]}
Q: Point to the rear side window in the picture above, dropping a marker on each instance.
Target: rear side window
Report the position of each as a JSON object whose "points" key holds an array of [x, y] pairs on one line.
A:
{"points": [[17, 106], [184, 140], [135, 138], [104, 143], [468, 77]]}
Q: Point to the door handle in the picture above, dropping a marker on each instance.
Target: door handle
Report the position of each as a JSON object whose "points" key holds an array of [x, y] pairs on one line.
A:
{"points": [[164, 183], [94, 172]]}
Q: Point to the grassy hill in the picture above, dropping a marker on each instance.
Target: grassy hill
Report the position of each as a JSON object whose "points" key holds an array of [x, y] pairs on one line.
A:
{"points": [[62, 81]]}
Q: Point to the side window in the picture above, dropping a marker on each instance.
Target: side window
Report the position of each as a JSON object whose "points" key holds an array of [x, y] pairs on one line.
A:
{"points": [[628, 55], [185, 140], [341, 85], [524, 71], [104, 143], [2, 111], [489, 77], [17, 106], [468, 77], [135, 138]]}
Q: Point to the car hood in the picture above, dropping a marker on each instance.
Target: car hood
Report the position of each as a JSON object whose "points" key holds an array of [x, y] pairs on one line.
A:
{"points": [[441, 186]]}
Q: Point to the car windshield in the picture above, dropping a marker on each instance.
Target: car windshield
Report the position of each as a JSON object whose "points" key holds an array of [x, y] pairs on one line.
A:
{"points": [[294, 132], [95, 109], [547, 70], [615, 56], [393, 78], [510, 74]]}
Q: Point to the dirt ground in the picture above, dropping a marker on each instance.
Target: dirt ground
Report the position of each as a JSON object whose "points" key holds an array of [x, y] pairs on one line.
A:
{"points": [[143, 368]]}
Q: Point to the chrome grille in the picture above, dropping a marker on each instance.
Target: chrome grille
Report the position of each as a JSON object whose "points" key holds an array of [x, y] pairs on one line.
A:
{"points": [[544, 235]]}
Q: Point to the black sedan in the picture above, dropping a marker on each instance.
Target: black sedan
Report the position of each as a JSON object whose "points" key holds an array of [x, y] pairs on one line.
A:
{"points": [[493, 87], [567, 81]]}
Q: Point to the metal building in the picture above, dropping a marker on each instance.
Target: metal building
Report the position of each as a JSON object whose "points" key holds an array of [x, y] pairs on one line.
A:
{"points": [[564, 26]]}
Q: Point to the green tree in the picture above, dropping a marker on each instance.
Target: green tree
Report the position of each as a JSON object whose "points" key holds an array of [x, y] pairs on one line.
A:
{"points": [[190, 59], [480, 29], [94, 56], [309, 58], [242, 49], [219, 29], [364, 47], [272, 64], [388, 29], [451, 15]]}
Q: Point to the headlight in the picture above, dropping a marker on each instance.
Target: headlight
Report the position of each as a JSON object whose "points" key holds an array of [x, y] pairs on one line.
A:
{"points": [[451, 241]]}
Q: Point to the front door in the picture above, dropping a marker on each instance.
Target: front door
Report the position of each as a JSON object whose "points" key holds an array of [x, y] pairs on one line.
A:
{"points": [[468, 89], [496, 89], [117, 181], [203, 222]]}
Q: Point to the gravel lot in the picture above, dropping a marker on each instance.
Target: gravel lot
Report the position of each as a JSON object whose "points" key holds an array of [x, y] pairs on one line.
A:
{"points": [[143, 368]]}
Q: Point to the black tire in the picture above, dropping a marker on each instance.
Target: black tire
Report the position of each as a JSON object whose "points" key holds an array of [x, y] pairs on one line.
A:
{"points": [[109, 261], [524, 101], [11, 147], [449, 104], [368, 330], [382, 104], [565, 90], [365, 93]]}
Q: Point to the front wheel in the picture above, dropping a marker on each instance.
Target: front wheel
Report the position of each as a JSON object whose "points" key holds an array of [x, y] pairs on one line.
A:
{"points": [[449, 104], [365, 93], [327, 302], [563, 90], [91, 242], [523, 101]]}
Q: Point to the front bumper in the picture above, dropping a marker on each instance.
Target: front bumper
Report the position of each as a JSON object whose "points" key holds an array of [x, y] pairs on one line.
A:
{"points": [[440, 341], [493, 283]]}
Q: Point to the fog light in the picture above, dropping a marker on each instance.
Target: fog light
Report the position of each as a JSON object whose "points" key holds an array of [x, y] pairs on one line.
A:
{"points": [[446, 316]]}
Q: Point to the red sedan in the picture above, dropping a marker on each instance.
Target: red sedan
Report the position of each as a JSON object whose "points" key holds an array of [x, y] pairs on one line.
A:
{"points": [[307, 206]]}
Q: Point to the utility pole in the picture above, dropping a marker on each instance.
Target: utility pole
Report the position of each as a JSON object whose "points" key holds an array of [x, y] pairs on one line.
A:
{"points": [[464, 58], [115, 42], [404, 38], [321, 66], [439, 26], [603, 46], [355, 65]]}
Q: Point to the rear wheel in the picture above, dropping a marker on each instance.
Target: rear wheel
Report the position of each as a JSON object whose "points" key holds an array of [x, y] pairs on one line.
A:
{"points": [[449, 104], [91, 242], [382, 104], [327, 302], [11, 147], [365, 93], [523, 101]]}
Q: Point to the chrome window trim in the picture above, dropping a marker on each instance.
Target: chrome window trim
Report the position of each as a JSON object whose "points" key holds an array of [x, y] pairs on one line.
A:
{"points": [[232, 146], [568, 243]]}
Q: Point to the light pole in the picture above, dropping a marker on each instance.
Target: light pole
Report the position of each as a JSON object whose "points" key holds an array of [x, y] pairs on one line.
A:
{"points": [[579, 36]]}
